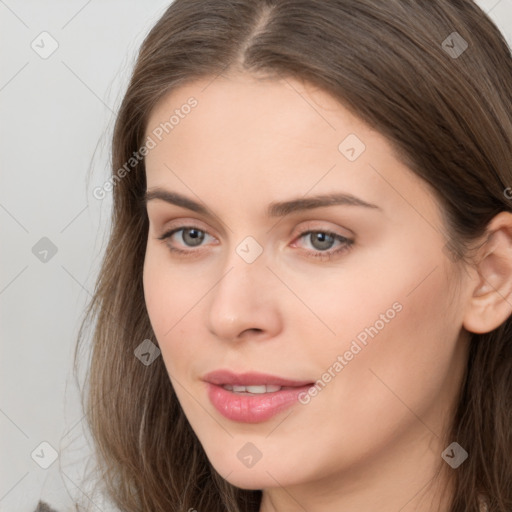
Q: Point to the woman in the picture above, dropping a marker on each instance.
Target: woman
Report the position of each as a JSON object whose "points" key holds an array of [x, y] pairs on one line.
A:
{"points": [[305, 301]]}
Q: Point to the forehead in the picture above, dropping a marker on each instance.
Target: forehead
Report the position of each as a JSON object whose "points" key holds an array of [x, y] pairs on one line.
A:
{"points": [[279, 137], [275, 112]]}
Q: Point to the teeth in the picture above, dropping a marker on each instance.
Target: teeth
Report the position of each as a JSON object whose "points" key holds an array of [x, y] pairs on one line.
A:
{"points": [[269, 388]]}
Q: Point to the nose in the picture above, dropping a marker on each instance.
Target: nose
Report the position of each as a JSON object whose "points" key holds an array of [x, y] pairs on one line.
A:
{"points": [[245, 302]]}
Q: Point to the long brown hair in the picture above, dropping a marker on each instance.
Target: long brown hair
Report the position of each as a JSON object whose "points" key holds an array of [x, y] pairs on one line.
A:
{"points": [[435, 78]]}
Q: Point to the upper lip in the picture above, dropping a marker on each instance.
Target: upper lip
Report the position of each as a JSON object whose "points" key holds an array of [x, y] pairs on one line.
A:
{"points": [[227, 377]]}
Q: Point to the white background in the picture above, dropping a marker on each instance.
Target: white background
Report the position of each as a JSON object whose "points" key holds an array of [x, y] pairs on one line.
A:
{"points": [[56, 119]]}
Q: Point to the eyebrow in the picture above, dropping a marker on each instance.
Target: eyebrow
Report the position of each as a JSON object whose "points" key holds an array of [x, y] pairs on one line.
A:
{"points": [[276, 209]]}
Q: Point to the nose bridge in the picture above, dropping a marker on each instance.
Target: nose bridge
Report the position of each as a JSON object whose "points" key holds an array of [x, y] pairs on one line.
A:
{"points": [[243, 299], [237, 289], [244, 267]]}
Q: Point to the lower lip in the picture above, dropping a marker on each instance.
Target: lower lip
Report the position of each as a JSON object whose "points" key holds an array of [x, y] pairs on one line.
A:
{"points": [[253, 408]]}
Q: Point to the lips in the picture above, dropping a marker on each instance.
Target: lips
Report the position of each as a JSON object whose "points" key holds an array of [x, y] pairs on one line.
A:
{"points": [[226, 377], [252, 397]]}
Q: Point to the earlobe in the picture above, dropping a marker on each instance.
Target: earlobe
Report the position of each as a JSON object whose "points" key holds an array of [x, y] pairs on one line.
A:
{"points": [[490, 303]]}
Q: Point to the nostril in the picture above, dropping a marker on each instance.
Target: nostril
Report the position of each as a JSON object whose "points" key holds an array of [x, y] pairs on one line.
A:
{"points": [[255, 330]]}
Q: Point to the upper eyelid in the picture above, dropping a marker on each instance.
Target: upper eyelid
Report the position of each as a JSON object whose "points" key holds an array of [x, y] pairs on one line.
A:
{"points": [[223, 228], [198, 224], [172, 230], [310, 226], [184, 224]]}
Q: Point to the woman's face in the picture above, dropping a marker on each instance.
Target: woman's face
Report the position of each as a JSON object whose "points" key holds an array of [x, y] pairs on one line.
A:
{"points": [[298, 246]]}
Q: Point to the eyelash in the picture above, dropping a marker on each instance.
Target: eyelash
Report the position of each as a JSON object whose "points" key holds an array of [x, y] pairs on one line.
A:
{"points": [[316, 254]]}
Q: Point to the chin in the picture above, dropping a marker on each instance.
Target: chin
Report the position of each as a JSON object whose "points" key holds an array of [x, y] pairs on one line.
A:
{"points": [[246, 479], [260, 476]]}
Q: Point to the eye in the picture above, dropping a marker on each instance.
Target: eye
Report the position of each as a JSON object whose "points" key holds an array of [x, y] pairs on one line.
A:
{"points": [[321, 243], [188, 236], [320, 240], [188, 240], [192, 236]]}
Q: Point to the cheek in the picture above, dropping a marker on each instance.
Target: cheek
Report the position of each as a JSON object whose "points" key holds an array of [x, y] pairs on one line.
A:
{"points": [[407, 367], [396, 332], [170, 299], [395, 387]]}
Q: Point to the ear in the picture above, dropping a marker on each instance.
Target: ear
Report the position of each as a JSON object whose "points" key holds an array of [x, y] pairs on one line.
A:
{"points": [[490, 303]]}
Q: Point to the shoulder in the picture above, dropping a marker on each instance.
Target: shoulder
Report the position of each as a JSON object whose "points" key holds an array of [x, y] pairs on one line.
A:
{"points": [[44, 507]]}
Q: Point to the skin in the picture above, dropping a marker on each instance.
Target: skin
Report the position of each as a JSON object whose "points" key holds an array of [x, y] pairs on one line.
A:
{"points": [[372, 438]]}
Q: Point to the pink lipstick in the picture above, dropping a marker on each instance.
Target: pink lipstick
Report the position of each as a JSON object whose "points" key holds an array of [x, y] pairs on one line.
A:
{"points": [[252, 397]]}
